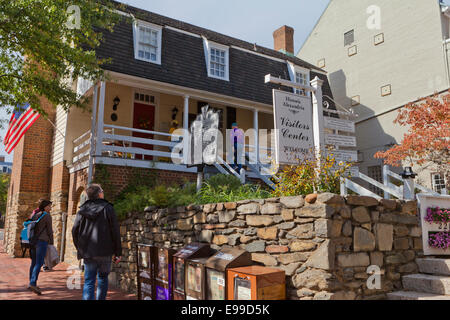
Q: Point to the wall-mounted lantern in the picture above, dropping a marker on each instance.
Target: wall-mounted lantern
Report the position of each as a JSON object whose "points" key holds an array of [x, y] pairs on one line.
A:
{"points": [[174, 113], [116, 103]]}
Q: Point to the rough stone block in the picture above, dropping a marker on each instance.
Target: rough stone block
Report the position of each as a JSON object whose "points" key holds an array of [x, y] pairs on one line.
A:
{"points": [[385, 236], [286, 226], [363, 240], [322, 228], [265, 259], [259, 221], [256, 246], [388, 204], [361, 214], [323, 257], [220, 240], [345, 212], [401, 244], [200, 218], [268, 233], [237, 223], [303, 231], [230, 205], [292, 202], [277, 249], [312, 279], [315, 211], [376, 259], [227, 216], [330, 198], [246, 239], [401, 231], [362, 201], [354, 260], [250, 208], [301, 246], [271, 208], [410, 207], [208, 208], [347, 230], [287, 214], [288, 258]]}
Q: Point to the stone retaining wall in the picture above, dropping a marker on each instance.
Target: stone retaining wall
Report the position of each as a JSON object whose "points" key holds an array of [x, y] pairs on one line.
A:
{"points": [[324, 243]]}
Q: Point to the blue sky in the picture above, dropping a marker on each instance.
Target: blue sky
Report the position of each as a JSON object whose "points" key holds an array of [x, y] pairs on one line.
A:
{"points": [[249, 20]]}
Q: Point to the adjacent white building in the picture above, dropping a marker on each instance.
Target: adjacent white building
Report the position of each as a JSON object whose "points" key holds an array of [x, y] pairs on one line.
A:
{"points": [[381, 55]]}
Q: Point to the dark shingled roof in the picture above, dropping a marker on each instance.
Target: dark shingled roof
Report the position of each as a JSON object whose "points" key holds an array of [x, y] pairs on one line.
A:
{"points": [[188, 69]]}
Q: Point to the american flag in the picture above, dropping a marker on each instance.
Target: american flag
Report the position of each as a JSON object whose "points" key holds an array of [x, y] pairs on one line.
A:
{"points": [[21, 120]]}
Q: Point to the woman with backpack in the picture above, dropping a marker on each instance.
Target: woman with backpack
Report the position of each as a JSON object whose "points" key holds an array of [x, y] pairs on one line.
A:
{"points": [[44, 236]]}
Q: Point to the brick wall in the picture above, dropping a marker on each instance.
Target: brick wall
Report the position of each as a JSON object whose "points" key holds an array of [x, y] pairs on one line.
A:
{"points": [[30, 178]]}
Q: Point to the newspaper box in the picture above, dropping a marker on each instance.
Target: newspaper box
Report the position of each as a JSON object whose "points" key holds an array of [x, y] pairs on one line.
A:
{"points": [[146, 259], [191, 251], [163, 276], [256, 283], [216, 270]]}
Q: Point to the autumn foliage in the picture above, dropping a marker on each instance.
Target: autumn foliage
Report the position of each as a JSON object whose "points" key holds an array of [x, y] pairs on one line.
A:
{"points": [[428, 138]]}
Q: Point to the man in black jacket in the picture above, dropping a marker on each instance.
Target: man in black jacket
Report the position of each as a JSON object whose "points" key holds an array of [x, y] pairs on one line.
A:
{"points": [[96, 236]]}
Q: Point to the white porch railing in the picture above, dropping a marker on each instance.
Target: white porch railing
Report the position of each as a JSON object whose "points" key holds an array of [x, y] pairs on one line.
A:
{"points": [[81, 150], [403, 192]]}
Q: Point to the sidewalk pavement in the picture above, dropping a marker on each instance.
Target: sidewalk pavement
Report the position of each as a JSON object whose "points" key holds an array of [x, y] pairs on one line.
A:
{"points": [[14, 273]]}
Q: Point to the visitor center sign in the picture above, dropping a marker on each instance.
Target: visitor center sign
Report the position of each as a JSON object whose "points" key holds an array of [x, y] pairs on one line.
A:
{"points": [[293, 127]]}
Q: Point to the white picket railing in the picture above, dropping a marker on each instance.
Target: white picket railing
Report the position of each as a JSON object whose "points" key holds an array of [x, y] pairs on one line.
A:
{"points": [[403, 192]]}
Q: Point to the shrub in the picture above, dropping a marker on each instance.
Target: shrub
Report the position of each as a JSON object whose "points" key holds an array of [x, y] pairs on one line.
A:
{"points": [[311, 176]]}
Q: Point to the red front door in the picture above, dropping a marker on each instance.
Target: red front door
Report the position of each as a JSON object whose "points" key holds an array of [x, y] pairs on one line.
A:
{"points": [[144, 119]]}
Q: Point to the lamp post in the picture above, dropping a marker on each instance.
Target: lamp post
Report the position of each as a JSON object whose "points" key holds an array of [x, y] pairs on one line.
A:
{"points": [[408, 186]]}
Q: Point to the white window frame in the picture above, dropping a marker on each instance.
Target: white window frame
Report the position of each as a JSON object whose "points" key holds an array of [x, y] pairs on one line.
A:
{"points": [[433, 183], [293, 70], [207, 46], [153, 27]]}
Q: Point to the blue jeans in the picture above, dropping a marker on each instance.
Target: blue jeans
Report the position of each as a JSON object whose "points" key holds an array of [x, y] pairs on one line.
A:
{"points": [[37, 260], [97, 267]]}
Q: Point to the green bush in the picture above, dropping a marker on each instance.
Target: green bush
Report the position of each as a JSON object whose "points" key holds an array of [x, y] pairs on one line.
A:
{"points": [[219, 188], [132, 201]]}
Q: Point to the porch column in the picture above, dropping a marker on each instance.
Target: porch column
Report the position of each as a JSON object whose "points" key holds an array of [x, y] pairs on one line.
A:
{"points": [[101, 119], [256, 127], [93, 134], [318, 126], [186, 130]]}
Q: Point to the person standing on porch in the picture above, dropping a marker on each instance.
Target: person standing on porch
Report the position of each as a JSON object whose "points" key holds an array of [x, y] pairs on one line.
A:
{"points": [[237, 139], [44, 233], [96, 237]]}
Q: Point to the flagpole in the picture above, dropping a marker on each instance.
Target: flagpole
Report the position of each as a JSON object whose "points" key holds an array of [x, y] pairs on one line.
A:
{"points": [[55, 127]]}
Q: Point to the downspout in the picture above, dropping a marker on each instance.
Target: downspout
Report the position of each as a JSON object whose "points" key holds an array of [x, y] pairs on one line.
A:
{"points": [[445, 48], [63, 236]]}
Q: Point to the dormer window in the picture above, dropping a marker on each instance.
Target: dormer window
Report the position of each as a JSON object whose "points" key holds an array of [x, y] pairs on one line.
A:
{"points": [[217, 60], [147, 42], [301, 76], [217, 63]]}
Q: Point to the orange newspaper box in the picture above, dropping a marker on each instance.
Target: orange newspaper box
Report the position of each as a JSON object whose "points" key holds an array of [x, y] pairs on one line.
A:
{"points": [[216, 270], [190, 251], [256, 283]]}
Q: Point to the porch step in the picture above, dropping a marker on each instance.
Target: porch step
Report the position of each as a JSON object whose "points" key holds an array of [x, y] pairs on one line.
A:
{"points": [[434, 266], [412, 295], [439, 285]]}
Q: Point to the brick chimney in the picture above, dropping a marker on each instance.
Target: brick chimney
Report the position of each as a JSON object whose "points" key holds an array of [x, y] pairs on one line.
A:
{"points": [[283, 39]]}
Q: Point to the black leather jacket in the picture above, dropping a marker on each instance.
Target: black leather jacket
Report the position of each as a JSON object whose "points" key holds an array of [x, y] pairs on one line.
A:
{"points": [[96, 231]]}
